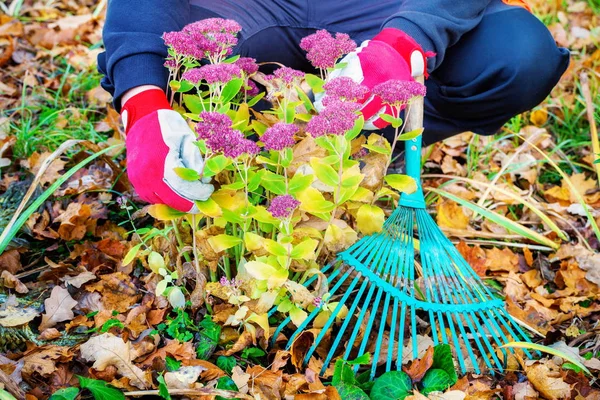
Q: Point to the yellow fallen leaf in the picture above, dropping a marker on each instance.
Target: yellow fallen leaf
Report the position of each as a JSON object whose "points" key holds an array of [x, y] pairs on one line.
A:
{"points": [[451, 215], [539, 117]]}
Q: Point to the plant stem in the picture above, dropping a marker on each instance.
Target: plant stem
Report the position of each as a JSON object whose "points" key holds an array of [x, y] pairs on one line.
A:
{"points": [[194, 248], [180, 241], [335, 199]]}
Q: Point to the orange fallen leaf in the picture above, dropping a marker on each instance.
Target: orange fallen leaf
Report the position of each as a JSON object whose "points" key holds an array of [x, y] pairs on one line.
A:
{"points": [[419, 367]]}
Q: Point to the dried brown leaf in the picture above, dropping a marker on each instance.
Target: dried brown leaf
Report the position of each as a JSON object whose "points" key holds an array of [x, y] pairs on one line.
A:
{"points": [[59, 307]]}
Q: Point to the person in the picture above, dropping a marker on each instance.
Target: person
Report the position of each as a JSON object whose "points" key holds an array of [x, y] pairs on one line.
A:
{"points": [[486, 61]]}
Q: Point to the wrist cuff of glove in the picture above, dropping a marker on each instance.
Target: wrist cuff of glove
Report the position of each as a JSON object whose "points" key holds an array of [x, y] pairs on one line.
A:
{"points": [[143, 104], [405, 45]]}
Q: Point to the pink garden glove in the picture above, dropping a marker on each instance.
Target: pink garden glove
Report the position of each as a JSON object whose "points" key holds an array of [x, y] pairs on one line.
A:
{"points": [[159, 140], [391, 55]]}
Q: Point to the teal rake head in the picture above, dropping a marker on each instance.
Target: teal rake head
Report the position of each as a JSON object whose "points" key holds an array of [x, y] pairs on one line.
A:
{"points": [[389, 287]]}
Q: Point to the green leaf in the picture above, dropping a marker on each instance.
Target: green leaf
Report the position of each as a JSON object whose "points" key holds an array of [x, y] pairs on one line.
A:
{"points": [[131, 254], [216, 164], [231, 89], [287, 156], [100, 389], [356, 129], [411, 135], [69, 393], [362, 360], [210, 328], [305, 100], [304, 250], [226, 363], [325, 173], [315, 83], [351, 392], [111, 323], [299, 182], [402, 183], [273, 182], [442, 359], [172, 364], [187, 174], [342, 373], [195, 104], [209, 207], [223, 242], [435, 380], [379, 149], [392, 385], [275, 248], [181, 86], [395, 122], [225, 383], [163, 390], [572, 367], [231, 60], [255, 99]]}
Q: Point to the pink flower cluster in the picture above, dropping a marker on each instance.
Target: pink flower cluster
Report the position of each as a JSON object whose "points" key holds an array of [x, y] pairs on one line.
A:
{"points": [[279, 136], [212, 123], [337, 118], [397, 92], [344, 88], [216, 129], [207, 38], [235, 283], [288, 76], [283, 206], [323, 50], [212, 73], [247, 64]]}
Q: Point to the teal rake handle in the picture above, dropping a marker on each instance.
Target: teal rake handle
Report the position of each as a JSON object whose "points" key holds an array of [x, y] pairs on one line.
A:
{"points": [[414, 120]]}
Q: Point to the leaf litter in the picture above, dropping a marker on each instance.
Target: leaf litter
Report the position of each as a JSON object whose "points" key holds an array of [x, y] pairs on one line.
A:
{"points": [[97, 317]]}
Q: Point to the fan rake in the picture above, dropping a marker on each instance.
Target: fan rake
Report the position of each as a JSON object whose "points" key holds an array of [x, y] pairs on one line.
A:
{"points": [[388, 284]]}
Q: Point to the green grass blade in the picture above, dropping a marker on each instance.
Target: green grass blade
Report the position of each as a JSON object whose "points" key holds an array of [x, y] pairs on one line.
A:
{"points": [[499, 219], [9, 233], [513, 196], [549, 350], [574, 190]]}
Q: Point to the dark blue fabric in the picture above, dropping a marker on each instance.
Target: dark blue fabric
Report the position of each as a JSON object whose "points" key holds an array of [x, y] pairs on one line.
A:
{"points": [[493, 61]]}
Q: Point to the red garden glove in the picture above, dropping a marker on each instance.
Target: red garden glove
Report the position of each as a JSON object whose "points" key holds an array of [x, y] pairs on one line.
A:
{"points": [[391, 55], [159, 140]]}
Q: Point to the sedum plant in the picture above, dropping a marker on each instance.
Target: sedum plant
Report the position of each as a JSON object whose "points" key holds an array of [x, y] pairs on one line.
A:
{"points": [[293, 186]]}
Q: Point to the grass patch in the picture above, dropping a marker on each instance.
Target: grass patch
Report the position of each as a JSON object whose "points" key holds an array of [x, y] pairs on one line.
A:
{"points": [[46, 118]]}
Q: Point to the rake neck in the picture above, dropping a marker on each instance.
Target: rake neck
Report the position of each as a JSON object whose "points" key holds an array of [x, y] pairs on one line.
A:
{"points": [[414, 121]]}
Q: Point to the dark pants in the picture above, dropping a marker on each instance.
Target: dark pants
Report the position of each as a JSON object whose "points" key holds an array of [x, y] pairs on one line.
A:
{"points": [[508, 64]]}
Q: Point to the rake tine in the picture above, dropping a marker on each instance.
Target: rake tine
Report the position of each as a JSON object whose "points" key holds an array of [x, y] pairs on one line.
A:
{"points": [[393, 278], [370, 254], [363, 310], [386, 269], [467, 298], [314, 313]]}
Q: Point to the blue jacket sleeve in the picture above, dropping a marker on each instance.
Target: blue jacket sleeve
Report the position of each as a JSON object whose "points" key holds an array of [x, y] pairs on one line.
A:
{"points": [[134, 50], [437, 24]]}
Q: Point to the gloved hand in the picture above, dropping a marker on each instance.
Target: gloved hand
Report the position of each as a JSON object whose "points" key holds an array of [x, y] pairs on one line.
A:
{"points": [[391, 55], [158, 140]]}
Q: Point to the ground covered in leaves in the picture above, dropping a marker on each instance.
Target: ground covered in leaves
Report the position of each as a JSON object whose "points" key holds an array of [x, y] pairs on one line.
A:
{"points": [[74, 311]]}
